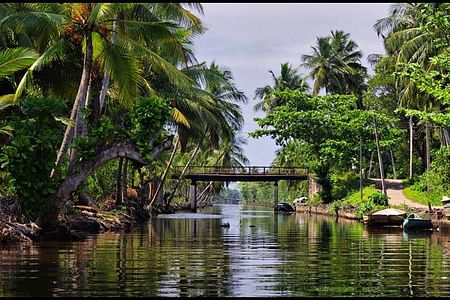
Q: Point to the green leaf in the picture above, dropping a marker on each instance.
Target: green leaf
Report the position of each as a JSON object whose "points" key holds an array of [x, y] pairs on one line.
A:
{"points": [[15, 59]]}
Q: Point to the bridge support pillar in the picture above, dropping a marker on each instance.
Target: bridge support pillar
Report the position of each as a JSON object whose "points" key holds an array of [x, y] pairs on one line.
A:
{"points": [[275, 195], [193, 193]]}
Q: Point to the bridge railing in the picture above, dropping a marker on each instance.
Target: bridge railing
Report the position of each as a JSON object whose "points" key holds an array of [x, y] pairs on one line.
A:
{"points": [[246, 170]]}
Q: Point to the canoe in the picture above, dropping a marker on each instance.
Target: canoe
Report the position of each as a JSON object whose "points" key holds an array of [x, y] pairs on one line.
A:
{"points": [[385, 217], [415, 222]]}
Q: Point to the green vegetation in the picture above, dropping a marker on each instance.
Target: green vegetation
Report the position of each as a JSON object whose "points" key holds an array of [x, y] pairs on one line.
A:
{"points": [[261, 193], [368, 120], [107, 99], [94, 94]]}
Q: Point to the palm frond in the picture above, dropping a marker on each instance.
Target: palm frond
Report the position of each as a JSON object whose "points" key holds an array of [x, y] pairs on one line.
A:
{"points": [[125, 73], [15, 59], [55, 52]]}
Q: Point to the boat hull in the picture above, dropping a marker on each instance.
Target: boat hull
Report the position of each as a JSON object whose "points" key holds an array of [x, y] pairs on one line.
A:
{"points": [[383, 220], [411, 224]]}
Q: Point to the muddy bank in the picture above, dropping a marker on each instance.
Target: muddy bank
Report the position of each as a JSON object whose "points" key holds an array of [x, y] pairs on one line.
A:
{"points": [[81, 219], [73, 224]]}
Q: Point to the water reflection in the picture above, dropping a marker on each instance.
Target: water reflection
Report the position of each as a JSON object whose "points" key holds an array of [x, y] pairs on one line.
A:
{"points": [[259, 254]]}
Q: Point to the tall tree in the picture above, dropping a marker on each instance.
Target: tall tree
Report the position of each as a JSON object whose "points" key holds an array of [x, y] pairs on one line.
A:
{"points": [[335, 65], [289, 79]]}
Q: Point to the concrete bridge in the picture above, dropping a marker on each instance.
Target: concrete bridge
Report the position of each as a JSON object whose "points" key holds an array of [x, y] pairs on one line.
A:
{"points": [[248, 173]]}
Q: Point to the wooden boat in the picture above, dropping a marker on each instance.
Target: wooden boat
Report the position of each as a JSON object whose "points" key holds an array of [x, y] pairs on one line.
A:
{"points": [[385, 217], [414, 222]]}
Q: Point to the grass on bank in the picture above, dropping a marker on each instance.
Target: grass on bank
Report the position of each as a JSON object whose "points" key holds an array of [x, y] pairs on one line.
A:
{"points": [[423, 197]]}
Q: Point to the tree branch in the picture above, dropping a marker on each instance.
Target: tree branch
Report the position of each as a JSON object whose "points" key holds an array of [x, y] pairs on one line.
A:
{"points": [[123, 149]]}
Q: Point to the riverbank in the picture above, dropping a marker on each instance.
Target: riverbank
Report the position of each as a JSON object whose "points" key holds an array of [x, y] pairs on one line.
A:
{"points": [[73, 224], [325, 210], [439, 219], [79, 220]]}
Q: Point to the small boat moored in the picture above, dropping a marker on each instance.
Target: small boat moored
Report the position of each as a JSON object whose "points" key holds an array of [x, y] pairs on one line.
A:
{"points": [[414, 222], [385, 217], [285, 207]]}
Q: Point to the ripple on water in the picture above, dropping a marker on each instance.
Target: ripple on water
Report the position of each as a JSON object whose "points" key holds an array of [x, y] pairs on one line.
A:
{"points": [[189, 216]]}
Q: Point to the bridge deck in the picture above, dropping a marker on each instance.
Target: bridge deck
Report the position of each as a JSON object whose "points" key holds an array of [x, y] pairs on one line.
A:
{"points": [[242, 174]]}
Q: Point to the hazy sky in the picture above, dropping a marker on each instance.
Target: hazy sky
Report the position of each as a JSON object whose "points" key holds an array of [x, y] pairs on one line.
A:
{"points": [[251, 39]]}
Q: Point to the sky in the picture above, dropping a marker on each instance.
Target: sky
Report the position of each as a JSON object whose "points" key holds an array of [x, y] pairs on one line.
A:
{"points": [[252, 38]]}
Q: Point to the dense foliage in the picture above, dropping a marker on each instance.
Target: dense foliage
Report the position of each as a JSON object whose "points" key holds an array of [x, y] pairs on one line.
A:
{"points": [[329, 130], [29, 155], [92, 95]]}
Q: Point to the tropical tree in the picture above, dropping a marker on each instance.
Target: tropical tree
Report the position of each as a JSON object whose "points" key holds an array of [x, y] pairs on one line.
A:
{"points": [[414, 33], [210, 116], [139, 27], [324, 128], [141, 31], [288, 79], [335, 65]]}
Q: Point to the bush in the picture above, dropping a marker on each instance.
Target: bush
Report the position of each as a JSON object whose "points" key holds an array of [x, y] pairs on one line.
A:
{"points": [[315, 200], [365, 208], [372, 199], [31, 152], [335, 206], [146, 117], [344, 184], [379, 198], [434, 183]]}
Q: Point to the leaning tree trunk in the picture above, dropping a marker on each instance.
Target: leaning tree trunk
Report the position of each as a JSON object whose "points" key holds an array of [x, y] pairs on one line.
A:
{"points": [[106, 77], [119, 183], [393, 164], [116, 150], [369, 173], [203, 196], [181, 175], [163, 176], [79, 99], [427, 145], [411, 136]]}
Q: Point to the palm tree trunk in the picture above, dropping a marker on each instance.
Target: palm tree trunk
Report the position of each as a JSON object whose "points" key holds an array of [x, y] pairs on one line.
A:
{"points": [[106, 77], [360, 168], [446, 135], [203, 192], [79, 100], [380, 159], [83, 121], [182, 174], [427, 145], [163, 176], [119, 183], [411, 135], [393, 164], [370, 165]]}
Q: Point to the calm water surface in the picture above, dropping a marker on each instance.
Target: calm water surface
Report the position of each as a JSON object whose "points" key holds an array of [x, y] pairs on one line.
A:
{"points": [[260, 254]]}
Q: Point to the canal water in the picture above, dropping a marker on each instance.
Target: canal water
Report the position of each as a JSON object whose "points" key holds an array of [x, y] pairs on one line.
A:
{"points": [[260, 254]]}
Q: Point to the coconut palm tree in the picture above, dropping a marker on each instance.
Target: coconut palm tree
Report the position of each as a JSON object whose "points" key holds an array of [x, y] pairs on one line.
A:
{"points": [[335, 65], [289, 79], [410, 38], [208, 117], [139, 29], [413, 33]]}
